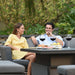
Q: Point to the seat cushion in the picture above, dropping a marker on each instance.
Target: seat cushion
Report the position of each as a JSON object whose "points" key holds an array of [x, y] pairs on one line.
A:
{"points": [[66, 69], [11, 67], [22, 62]]}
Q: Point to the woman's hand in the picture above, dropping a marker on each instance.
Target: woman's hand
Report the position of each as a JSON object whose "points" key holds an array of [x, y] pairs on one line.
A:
{"points": [[13, 48], [16, 48]]}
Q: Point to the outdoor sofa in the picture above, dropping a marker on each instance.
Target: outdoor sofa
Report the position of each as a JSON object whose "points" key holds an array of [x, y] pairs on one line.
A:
{"points": [[11, 68], [67, 69], [7, 55]]}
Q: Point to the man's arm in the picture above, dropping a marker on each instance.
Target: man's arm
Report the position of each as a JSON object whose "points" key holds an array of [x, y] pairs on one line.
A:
{"points": [[34, 40], [59, 41]]}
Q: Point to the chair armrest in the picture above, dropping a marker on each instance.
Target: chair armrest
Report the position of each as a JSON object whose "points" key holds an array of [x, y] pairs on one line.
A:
{"points": [[6, 53]]}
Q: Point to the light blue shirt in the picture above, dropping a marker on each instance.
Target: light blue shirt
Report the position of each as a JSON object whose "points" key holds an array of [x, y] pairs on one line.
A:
{"points": [[47, 40]]}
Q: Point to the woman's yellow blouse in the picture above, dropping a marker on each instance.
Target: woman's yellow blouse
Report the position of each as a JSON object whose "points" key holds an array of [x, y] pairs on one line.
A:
{"points": [[19, 43]]}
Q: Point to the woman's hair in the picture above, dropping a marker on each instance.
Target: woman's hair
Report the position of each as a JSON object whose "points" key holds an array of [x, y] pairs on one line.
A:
{"points": [[18, 25], [53, 26]]}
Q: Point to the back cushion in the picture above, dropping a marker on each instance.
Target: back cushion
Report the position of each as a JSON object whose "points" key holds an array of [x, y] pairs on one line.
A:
{"points": [[72, 42], [30, 43]]}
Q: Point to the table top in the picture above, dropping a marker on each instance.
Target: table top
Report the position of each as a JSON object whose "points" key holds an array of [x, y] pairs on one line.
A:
{"points": [[50, 51]]}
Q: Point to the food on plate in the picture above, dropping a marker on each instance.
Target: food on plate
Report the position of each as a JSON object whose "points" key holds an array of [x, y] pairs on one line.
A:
{"points": [[53, 45], [56, 45], [41, 45], [45, 46]]}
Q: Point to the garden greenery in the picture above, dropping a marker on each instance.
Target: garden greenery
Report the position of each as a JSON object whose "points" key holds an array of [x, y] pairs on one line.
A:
{"points": [[35, 13]]}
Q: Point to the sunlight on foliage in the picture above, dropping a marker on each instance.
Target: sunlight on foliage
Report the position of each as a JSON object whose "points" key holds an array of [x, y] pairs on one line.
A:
{"points": [[35, 13]]}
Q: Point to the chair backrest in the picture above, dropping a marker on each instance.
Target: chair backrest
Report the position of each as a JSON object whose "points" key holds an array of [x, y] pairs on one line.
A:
{"points": [[72, 42], [30, 43], [0, 53], [6, 53]]}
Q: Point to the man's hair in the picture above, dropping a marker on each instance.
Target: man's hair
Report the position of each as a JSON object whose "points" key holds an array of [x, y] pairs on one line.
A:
{"points": [[48, 23]]}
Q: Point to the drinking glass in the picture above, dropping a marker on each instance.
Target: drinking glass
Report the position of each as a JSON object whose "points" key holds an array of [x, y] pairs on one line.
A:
{"points": [[42, 37], [68, 38], [52, 38]]}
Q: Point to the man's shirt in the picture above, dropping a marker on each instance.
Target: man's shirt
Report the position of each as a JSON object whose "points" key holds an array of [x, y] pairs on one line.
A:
{"points": [[47, 40]]}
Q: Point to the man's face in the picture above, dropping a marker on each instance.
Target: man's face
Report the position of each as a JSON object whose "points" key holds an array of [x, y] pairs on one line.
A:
{"points": [[48, 28]]}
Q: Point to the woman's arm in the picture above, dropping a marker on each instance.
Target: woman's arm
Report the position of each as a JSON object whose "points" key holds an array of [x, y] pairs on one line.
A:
{"points": [[9, 42], [13, 48]]}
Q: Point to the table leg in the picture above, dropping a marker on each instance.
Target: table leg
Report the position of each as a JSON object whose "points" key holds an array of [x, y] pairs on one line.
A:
{"points": [[41, 65], [38, 69]]}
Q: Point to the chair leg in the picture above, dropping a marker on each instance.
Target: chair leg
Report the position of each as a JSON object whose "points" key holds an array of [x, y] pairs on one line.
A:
{"points": [[25, 73]]}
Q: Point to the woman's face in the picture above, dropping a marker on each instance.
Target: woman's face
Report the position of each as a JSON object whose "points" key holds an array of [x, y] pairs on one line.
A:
{"points": [[21, 30]]}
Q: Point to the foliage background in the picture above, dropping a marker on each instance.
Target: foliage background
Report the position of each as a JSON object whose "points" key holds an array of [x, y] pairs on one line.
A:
{"points": [[35, 13]]}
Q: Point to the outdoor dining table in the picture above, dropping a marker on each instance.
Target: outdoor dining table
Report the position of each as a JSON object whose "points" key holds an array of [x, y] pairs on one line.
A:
{"points": [[47, 59]]}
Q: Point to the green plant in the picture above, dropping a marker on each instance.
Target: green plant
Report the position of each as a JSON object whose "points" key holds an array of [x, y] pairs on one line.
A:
{"points": [[36, 29], [64, 28]]}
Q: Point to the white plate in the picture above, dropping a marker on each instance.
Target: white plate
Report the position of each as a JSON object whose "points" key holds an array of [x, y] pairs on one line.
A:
{"points": [[38, 47]]}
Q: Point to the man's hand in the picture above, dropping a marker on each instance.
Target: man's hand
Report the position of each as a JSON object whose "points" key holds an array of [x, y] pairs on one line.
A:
{"points": [[49, 33], [34, 40], [32, 37]]}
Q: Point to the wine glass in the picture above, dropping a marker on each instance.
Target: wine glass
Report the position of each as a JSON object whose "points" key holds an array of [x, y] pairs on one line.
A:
{"points": [[52, 38], [68, 38], [42, 37]]}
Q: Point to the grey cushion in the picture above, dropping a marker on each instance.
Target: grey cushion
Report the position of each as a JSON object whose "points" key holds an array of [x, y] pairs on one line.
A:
{"points": [[72, 42], [22, 62], [66, 69], [6, 54], [11, 67], [30, 43]]}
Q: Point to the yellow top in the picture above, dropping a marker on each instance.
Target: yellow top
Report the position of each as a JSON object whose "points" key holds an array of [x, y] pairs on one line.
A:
{"points": [[19, 43]]}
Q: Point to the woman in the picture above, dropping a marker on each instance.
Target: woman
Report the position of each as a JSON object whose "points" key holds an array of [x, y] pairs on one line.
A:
{"points": [[16, 42]]}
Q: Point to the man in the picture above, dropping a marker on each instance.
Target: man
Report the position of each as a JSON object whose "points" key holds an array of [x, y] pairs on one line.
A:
{"points": [[49, 27]]}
